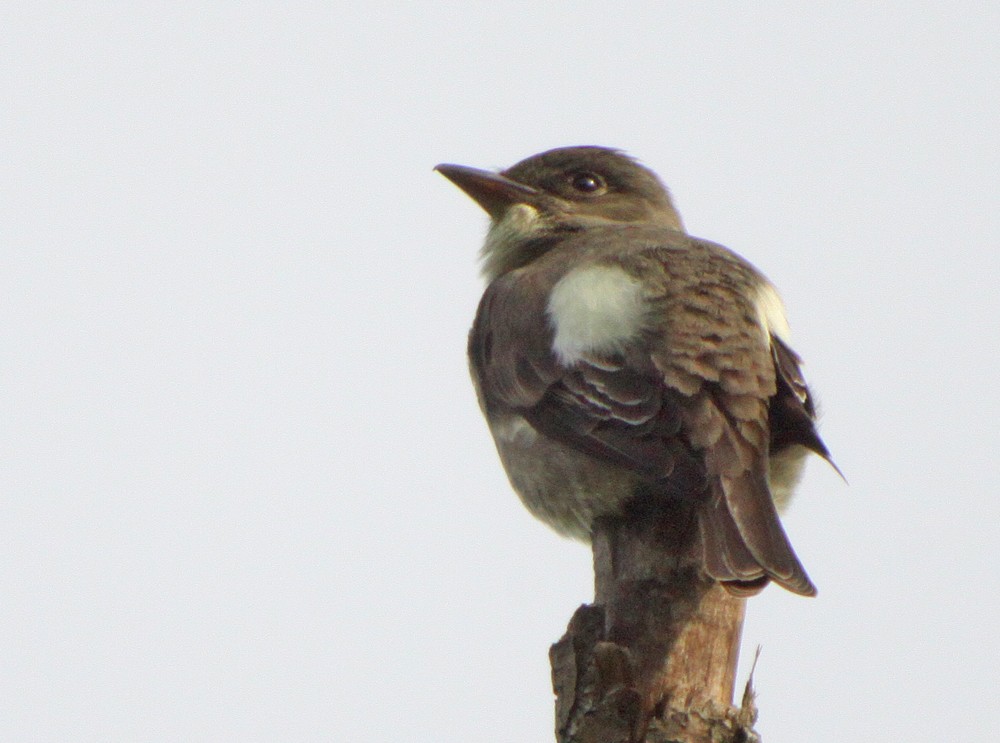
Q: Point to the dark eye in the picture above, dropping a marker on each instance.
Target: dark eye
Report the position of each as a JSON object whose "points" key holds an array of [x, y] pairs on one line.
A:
{"points": [[587, 182]]}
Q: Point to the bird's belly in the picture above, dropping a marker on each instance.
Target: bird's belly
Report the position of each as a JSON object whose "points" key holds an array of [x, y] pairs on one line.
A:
{"points": [[560, 486], [785, 471]]}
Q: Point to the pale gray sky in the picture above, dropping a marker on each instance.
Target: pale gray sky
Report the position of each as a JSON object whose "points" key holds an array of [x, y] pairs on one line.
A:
{"points": [[246, 491]]}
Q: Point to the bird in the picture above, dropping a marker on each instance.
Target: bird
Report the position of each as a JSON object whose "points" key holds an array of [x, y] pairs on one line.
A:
{"points": [[621, 363]]}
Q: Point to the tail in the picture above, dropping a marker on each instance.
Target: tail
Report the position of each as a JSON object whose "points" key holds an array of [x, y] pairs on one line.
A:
{"points": [[743, 541]]}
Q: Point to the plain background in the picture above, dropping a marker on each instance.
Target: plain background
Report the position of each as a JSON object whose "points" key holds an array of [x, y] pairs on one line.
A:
{"points": [[246, 491]]}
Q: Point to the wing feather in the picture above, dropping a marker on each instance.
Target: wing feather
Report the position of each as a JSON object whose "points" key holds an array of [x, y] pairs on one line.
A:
{"points": [[692, 408]]}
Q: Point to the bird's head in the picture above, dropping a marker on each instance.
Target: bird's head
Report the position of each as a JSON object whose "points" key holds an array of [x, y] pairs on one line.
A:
{"points": [[545, 196]]}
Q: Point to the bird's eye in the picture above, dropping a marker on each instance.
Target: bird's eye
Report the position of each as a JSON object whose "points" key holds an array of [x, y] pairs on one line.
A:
{"points": [[587, 182]]}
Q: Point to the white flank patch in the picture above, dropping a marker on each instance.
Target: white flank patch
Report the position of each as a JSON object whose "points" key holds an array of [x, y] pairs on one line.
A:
{"points": [[595, 309], [513, 429], [771, 311]]}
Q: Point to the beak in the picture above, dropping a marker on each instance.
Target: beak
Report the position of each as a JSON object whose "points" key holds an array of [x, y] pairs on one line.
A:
{"points": [[492, 191]]}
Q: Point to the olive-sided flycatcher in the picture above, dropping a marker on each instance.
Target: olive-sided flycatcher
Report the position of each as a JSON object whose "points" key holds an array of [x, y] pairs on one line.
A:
{"points": [[620, 361]]}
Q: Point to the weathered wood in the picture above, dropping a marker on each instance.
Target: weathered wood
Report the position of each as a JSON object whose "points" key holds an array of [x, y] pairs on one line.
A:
{"points": [[654, 659]]}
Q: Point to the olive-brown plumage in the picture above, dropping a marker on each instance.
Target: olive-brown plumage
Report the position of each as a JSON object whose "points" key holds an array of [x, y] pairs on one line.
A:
{"points": [[620, 362]]}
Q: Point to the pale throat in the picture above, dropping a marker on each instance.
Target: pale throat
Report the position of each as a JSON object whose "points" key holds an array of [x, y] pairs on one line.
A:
{"points": [[506, 237]]}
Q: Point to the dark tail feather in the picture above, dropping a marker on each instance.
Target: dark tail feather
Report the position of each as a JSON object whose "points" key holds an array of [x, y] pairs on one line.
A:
{"points": [[744, 543]]}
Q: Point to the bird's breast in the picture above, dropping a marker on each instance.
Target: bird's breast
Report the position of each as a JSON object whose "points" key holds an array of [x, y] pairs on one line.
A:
{"points": [[559, 485]]}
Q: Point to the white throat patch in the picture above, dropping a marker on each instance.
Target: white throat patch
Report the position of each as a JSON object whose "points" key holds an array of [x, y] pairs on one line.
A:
{"points": [[505, 238], [595, 309]]}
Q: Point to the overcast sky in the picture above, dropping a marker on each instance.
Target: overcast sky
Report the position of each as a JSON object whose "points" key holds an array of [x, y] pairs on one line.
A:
{"points": [[246, 490]]}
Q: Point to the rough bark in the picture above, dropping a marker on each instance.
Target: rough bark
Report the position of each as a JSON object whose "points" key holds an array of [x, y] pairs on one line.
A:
{"points": [[654, 658]]}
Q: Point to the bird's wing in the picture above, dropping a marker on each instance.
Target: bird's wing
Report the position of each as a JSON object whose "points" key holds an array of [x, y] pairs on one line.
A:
{"points": [[717, 350], [792, 410], [612, 406], [684, 405], [510, 346]]}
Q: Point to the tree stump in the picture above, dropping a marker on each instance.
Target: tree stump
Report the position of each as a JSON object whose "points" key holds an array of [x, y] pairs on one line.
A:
{"points": [[654, 658]]}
